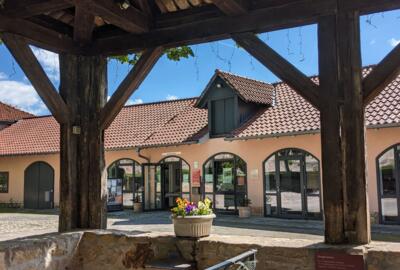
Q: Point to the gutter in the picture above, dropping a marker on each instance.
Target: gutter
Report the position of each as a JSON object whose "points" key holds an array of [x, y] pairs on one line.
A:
{"points": [[169, 145], [276, 135], [308, 132]]}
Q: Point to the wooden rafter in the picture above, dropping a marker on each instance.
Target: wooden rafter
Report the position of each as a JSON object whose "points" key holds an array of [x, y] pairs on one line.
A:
{"points": [[131, 19], [83, 25], [24, 8], [207, 28], [231, 7], [38, 35], [381, 75], [24, 56], [279, 66], [131, 82]]}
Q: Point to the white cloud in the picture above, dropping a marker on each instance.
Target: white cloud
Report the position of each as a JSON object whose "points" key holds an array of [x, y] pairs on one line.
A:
{"points": [[3, 76], [134, 101], [171, 97], [21, 95], [393, 42], [49, 61], [138, 101]]}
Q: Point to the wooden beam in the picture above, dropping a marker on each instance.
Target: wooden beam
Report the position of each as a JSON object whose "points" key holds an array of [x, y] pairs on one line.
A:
{"points": [[131, 82], [356, 218], [370, 6], [330, 110], [343, 130], [381, 75], [131, 19], [279, 66], [83, 183], [83, 25], [38, 35], [29, 8], [36, 75], [207, 28], [231, 7]]}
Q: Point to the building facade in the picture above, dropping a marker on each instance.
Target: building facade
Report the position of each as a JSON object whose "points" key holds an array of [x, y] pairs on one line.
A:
{"points": [[241, 139]]}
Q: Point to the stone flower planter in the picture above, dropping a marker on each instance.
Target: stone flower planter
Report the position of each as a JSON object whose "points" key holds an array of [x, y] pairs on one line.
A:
{"points": [[244, 211], [192, 226]]}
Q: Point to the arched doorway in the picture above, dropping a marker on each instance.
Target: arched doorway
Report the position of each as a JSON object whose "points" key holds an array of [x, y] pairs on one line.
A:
{"points": [[125, 184], [225, 181], [388, 167], [292, 185], [172, 181], [39, 186]]}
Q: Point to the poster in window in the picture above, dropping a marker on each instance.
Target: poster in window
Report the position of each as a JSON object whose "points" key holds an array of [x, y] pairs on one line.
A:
{"points": [[227, 175], [114, 187], [219, 201], [196, 176]]}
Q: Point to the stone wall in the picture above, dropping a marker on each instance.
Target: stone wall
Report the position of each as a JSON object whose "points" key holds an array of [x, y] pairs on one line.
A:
{"points": [[52, 251], [120, 250]]}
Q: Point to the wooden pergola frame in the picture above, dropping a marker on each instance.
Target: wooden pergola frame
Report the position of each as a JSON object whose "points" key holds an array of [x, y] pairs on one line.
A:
{"points": [[81, 108]]}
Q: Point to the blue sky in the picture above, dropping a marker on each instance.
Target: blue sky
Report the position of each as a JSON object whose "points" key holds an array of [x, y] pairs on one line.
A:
{"points": [[187, 78]]}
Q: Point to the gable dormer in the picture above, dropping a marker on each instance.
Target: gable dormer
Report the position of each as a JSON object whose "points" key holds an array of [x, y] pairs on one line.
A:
{"points": [[231, 100]]}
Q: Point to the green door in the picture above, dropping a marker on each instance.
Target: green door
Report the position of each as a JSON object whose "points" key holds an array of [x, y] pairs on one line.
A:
{"points": [[39, 186]]}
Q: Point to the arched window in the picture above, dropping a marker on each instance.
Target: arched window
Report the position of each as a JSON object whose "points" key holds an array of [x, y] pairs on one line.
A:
{"points": [[225, 181], [172, 180], [292, 184], [388, 166], [125, 183]]}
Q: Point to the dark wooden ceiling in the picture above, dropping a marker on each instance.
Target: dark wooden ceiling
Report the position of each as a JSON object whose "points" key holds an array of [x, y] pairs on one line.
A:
{"points": [[121, 26]]}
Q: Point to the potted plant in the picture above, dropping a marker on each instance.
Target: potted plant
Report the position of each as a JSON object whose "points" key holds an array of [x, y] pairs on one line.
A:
{"points": [[191, 219], [137, 205], [245, 210]]}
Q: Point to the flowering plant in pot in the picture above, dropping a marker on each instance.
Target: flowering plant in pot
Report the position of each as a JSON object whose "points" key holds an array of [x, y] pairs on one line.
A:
{"points": [[191, 219]]}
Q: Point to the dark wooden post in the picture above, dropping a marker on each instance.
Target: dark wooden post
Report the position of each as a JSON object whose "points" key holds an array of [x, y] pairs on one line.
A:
{"points": [[83, 86], [342, 130]]}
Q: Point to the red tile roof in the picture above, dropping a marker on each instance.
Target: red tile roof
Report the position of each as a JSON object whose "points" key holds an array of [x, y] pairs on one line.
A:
{"points": [[10, 114], [249, 90], [180, 122]]}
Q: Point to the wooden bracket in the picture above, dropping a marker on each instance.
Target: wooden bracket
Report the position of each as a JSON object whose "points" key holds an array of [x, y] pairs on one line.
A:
{"points": [[24, 56], [128, 86], [381, 75], [279, 66]]}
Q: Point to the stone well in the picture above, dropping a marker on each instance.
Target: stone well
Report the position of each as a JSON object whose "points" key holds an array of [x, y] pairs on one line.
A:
{"points": [[120, 250]]}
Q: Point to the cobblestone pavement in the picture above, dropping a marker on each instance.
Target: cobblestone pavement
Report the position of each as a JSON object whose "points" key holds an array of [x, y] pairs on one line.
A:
{"points": [[15, 225]]}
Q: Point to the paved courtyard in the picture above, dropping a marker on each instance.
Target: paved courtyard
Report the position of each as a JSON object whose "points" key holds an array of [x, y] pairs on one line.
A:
{"points": [[21, 224]]}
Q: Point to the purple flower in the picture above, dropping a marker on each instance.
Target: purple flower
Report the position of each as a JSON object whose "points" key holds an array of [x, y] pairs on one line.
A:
{"points": [[189, 208]]}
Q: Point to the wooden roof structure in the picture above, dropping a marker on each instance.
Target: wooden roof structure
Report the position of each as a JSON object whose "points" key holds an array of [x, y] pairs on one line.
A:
{"points": [[120, 26], [85, 32]]}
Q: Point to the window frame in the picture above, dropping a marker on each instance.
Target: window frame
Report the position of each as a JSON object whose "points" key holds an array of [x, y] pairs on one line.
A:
{"points": [[299, 155], [396, 153], [7, 174]]}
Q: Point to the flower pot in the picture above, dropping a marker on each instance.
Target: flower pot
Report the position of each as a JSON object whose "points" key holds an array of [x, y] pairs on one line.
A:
{"points": [[192, 226], [244, 211], [137, 207]]}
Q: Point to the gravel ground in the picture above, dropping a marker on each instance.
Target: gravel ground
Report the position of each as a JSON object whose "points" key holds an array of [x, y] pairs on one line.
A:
{"points": [[21, 224]]}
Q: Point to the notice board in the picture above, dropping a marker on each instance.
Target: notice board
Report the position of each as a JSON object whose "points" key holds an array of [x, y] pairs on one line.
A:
{"points": [[333, 260]]}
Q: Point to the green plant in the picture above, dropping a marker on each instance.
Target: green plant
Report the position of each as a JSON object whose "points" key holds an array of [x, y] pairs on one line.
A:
{"points": [[186, 208]]}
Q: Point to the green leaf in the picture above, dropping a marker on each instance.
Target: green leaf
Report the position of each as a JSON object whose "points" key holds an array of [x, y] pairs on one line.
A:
{"points": [[173, 54]]}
